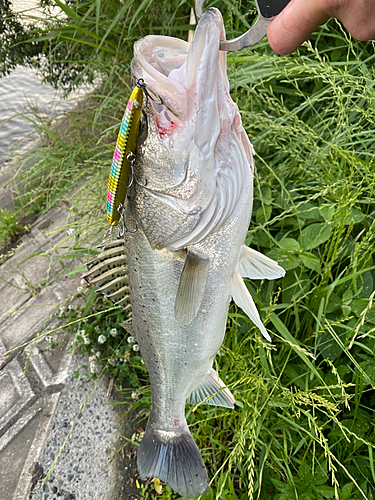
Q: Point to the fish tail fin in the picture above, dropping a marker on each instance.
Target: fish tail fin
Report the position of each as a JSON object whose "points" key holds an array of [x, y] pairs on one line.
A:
{"points": [[173, 458]]}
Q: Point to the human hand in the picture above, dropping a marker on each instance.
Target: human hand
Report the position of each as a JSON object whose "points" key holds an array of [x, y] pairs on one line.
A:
{"points": [[301, 17]]}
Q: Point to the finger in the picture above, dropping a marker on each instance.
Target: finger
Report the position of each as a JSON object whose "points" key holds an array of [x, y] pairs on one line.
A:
{"points": [[295, 24], [358, 18]]}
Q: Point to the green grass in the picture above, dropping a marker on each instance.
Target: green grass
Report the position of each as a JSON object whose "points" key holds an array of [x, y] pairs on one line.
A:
{"points": [[304, 425], [9, 228]]}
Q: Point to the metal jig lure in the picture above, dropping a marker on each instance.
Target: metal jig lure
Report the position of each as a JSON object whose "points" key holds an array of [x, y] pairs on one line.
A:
{"points": [[122, 175], [121, 168]]}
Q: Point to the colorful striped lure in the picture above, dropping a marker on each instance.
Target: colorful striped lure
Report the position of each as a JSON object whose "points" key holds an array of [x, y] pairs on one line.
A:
{"points": [[121, 166]]}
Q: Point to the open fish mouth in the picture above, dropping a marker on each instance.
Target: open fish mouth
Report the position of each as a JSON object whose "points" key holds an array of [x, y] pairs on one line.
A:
{"points": [[181, 73]]}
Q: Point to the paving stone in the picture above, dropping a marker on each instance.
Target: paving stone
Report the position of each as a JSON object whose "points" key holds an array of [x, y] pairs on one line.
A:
{"points": [[22, 447], [13, 457], [51, 365], [12, 298], [37, 261], [33, 317], [16, 395], [83, 469]]}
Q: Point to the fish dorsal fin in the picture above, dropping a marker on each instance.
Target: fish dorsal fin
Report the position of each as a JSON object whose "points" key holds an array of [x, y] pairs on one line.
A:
{"points": [[256, 266], [242, 297], [191, 288], [213, 389], [107, 271], [128, 326]]}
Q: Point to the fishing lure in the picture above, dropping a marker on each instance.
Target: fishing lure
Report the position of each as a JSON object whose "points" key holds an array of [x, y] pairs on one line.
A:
{"points": [[123, 157]]}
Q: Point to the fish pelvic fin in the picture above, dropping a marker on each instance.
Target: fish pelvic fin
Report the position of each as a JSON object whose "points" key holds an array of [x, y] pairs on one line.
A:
{"points": [[242, 297], [108, 272], [212, 392], [191, 288], [174, 459], [256, 266]]}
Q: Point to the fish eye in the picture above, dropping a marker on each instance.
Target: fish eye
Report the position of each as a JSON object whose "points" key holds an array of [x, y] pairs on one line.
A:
{"points": [[143, 128]]}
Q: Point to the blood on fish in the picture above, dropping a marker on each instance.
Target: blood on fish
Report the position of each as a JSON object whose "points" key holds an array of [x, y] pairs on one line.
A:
{"points": [[166, 131]]}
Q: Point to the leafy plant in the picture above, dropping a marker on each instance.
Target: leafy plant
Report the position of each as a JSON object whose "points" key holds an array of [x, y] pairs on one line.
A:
{"points": [[9, 227]]}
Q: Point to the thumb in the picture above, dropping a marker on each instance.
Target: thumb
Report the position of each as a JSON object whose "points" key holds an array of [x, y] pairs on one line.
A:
{"points": [[295, 24]]}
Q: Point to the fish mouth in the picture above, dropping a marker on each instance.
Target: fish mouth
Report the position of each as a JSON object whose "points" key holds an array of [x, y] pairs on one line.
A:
{"points": [[179, 72]]}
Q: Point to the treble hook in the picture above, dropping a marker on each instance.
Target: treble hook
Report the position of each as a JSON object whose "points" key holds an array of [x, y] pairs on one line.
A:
{"points": [[141, 84], [133, 178], [108, 235], [124, 229]]}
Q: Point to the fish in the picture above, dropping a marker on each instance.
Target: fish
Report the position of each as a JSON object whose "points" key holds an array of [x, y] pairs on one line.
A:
{"points": [[182, 258]]}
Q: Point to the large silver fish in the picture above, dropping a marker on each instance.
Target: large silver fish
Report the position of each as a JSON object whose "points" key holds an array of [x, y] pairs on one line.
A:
{"points": [[189, 208]]}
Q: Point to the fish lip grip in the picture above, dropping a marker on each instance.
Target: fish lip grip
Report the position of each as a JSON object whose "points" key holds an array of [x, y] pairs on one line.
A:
{"points": [[267, 10]]}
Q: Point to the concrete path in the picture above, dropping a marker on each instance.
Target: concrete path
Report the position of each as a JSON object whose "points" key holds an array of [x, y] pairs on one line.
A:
{"points": [[42, 405]]}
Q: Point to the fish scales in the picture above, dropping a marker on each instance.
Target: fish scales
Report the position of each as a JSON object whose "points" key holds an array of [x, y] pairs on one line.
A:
{"points": [[190, 203]]}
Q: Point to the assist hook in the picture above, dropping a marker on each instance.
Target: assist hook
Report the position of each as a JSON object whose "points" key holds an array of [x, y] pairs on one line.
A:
{"points": [[141, 84]]}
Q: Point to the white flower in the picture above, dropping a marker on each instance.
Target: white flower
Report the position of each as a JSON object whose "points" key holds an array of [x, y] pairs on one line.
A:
{"points": [[135, 347], [86, 341], [60, 312], [131, 340], [97, 329], [71, 231], [83, 282], [135, 395], [82, 333], [80, 289], [102, 339], [142, 362], [94, 368], [113, 332], [98, 354], [112, 361], [71, 307]]}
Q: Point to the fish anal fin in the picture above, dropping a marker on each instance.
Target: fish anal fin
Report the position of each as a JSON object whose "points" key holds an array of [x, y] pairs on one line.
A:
{"points": [[256, 266], [191, 288], [212, 392], [244, 300], [173, 458]]}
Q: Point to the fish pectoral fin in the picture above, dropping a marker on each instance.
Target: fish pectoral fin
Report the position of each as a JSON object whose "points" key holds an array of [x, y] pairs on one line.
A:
{"points": [[191, 288], [128, 326], [242, 297], [212, 392], [256, 266]]}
